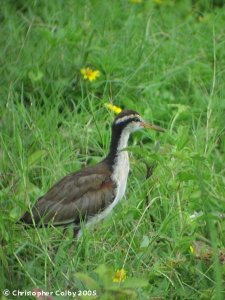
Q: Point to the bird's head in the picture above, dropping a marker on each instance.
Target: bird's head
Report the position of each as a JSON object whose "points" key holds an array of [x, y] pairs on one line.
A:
{"points": [[132, 121]]}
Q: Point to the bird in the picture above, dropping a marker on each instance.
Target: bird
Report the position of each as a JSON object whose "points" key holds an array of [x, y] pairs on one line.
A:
{"points": [[87, 196]]}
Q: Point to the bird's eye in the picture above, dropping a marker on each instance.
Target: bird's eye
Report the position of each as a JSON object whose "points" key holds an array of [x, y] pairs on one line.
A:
{"points": [[136, 120]]}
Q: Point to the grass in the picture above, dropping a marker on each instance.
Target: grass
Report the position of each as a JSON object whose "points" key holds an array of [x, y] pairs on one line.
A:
{"points": [[164, 60]]}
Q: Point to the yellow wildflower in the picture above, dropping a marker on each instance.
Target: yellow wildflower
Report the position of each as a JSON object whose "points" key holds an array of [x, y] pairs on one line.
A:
{"points": [[113, 108], [120, 275], [90, 74], [192, 249]]}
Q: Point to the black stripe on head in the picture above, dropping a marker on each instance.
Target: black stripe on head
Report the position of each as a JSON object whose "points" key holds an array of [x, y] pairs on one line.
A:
{"points": [[125, 117], [127, 121], [126, 112]]}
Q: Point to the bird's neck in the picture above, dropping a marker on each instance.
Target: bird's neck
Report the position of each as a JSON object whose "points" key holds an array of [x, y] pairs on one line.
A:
{"points": [[119, 141]]}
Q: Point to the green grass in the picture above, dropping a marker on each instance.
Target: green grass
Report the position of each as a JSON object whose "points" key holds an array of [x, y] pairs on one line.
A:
{"points": [[167, 62]]}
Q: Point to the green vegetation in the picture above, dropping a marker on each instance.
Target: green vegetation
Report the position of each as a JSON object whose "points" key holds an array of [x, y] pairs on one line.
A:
{"points": [[165, 59]]}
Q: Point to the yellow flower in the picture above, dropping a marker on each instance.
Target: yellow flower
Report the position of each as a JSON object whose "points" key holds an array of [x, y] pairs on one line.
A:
{"points": [[90, 74], [113, 108], [192, 249], [120, 275]]}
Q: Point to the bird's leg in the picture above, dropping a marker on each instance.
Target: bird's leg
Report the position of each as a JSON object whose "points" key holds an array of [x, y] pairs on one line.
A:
{"points": [[76, 232]]}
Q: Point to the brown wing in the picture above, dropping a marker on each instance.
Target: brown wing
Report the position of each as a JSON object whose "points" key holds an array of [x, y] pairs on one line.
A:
{"points": [[76, 196]]}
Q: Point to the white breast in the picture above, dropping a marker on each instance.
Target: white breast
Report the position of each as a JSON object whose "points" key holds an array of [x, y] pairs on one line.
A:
{"points": [[121, 168], [119, 176]]}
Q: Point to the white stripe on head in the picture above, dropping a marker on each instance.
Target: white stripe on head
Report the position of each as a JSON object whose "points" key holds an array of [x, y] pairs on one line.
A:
{"points": [[125, 118]]}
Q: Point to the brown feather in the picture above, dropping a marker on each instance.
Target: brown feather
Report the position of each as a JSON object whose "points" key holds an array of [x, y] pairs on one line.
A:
{"points": [[77, 196]]}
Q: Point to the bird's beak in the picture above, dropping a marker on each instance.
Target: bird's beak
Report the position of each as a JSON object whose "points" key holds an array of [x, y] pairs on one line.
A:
{"points": [[152, 126]]}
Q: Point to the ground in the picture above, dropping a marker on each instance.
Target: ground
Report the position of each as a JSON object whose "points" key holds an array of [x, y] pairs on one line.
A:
{"points": [[162, 58]]}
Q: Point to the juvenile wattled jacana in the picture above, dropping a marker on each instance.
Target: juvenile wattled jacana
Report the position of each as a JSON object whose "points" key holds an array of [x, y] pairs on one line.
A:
{"points": [[90, 194]]}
